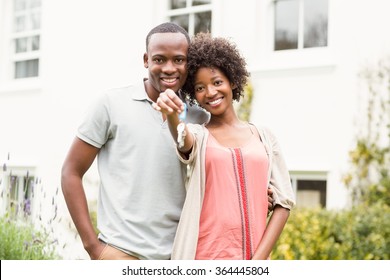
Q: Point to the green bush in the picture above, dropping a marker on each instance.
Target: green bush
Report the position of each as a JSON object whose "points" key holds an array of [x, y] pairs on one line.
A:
{"points": [[362, 233], [23, 242]]}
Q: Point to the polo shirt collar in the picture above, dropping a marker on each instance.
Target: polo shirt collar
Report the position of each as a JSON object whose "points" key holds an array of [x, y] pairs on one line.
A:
{"points": [[141, 94]]}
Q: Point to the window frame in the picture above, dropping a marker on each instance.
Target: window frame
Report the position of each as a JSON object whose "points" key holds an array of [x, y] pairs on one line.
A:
{"points": [[23, 176], [269, 61], [191, 11], [301, 27], [28, 33], [8, 84], [296, 176]]}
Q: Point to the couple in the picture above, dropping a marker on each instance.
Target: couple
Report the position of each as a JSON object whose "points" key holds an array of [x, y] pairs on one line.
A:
{"points": [[147, 208]]}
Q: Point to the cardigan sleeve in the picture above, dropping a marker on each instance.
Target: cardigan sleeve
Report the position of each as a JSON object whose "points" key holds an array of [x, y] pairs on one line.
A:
{"points": [[186, 238], [194, 129], [280, 180]]}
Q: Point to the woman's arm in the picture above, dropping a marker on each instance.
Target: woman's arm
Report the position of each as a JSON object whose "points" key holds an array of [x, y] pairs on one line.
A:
{"points": [[272, 232]]}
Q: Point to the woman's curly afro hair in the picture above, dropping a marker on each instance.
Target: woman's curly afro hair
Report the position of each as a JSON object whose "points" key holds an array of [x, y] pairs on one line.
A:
{"points": [[218, 52]]}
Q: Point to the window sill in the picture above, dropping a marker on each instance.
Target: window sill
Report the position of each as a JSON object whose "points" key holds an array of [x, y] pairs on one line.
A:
{"points": [[291, 60], [27, 85]]}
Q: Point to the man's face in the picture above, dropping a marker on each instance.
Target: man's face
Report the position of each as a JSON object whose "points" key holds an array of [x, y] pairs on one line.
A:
{"points": [[166, 60]]}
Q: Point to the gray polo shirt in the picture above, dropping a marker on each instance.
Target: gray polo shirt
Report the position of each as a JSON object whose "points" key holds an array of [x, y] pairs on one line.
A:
{"points": [[142, 181]]}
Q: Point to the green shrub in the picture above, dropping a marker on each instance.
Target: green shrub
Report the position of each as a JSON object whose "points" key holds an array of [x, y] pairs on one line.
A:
{"points": [[362, 233], [22, 242]]}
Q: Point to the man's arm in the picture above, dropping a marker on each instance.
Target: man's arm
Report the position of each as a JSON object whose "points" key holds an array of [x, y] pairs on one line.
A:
{"points": [[271, 200], [79, 159]]}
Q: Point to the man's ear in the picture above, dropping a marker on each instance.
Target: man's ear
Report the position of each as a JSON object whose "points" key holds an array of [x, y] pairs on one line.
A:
{"points": [[146, 60]]}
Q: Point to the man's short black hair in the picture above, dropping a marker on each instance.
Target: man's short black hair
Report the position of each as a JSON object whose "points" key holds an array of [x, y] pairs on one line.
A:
{"points": [[167, 27]]}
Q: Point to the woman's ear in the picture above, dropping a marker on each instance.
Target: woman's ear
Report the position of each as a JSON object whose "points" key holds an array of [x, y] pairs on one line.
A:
{"points": [[146, 60], [233, 86]]}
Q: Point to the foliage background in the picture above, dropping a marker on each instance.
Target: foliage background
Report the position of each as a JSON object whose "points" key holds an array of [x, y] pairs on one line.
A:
{"points": [[362, 233], [21, 241]]}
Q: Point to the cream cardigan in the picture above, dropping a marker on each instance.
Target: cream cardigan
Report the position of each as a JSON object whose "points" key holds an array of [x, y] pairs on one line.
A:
{"points": [[186, 239]]}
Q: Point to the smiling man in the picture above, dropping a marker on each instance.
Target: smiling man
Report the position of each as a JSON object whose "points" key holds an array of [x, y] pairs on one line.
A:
{"points": [[142, 182], [166, 61]]}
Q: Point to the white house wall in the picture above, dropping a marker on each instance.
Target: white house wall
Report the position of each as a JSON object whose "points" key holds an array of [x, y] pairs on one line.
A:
{"points": [[307, 98]]}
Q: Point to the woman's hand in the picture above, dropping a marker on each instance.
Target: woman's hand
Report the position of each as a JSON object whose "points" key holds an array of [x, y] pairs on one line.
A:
{"points": [[168, 103]]}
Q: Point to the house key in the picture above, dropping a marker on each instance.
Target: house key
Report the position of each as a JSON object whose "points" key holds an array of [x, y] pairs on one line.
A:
{"points": [[181, 132]]}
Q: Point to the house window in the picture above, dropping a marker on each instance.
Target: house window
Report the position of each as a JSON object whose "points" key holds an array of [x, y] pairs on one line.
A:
{"points": [[310, 189], [20, 194], [300, 24], [311, 193], [192, 15], [13, 202], [26, 38]]}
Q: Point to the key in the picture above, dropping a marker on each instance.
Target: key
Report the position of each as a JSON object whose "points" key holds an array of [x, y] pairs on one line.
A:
{"points": [[183, 115], [181, 134]]}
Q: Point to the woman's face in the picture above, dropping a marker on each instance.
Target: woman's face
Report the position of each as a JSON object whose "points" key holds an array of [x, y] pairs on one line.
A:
{"points": [[213, 90]]}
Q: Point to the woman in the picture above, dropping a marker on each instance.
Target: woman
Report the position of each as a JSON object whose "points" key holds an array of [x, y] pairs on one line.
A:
{"points": [[231, 162]]}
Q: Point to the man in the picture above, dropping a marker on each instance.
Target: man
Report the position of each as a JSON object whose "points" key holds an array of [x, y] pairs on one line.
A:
{"points": [[142, 181]]}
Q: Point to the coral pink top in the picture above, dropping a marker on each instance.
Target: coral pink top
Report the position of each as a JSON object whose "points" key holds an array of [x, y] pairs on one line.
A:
{"points": [[234, 211]]}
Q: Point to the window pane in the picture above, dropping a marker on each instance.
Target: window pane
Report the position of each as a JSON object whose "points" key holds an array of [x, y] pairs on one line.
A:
{"points": [[200, 2], [203, 22], [13, 196], [20, 23], [181, 20], [14, 188], [35, 43], [35, 21], [27, 68], [20, 45], [28, 191], [35, 3], [28, 184], [308, 198], [316, 23], [311, 193], [20, 5], [177, 4], [286, 24]]}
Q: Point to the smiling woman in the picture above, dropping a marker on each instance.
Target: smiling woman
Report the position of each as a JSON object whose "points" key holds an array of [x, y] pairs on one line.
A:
{"points": [[232, 163], [220, 53]]}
